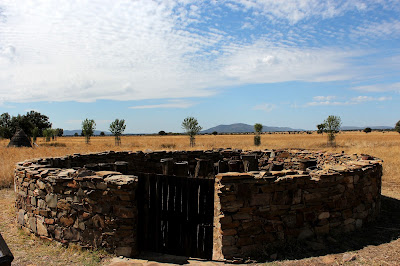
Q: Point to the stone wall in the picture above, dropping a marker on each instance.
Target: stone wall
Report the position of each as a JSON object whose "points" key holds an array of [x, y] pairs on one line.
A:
{"points": [[262, 198], [94, 209], [90, 199], [276, 207]]}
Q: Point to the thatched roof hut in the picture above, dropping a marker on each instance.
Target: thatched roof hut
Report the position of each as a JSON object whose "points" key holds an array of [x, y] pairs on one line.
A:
{"points": [[20, 139]]}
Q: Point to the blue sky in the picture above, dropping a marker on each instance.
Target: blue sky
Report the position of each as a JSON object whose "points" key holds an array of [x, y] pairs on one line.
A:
{"points": [[153, 63]]}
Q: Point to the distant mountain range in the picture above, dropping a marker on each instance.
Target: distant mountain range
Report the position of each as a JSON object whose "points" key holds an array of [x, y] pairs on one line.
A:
{"points": [[234, 128], [243, 128], [361, 128], [72, 132]]}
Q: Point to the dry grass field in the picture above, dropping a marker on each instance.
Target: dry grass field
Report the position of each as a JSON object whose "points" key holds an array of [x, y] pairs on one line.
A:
{"points": [[374, 247], [383, 145]]}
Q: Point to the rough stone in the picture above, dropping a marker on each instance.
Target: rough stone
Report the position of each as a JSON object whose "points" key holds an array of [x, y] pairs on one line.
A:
{"points": [[41, 227], [51, 200], [99, 209], [67, 221], [305, 233], [324, 215], [121, 179]]}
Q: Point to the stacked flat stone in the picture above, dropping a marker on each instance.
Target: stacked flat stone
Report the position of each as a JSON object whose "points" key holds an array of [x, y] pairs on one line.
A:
{"points": [[274, 197], [277, 207], [94, 209]]}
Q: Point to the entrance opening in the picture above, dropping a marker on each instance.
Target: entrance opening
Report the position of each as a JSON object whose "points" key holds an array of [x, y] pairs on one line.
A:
{"points": [[176, 215]]}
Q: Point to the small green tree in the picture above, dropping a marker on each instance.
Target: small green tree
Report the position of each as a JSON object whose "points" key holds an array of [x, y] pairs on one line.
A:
{"points": [[332, 126], [117, 128], [35, 133], [191, 127], [102, 133], [321, 128], [367, 130], [76, 134], [88, 127], [214, 133], [397, 127], [162, 133], [257, 138], [48, 133], [59, 132]]}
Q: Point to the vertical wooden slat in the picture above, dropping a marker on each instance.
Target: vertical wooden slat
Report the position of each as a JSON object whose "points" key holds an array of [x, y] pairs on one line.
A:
{"points": [[185, 214], [173, 220], [173, 217], [158, 214], [153, 219], [209, 213], [163, 182]]}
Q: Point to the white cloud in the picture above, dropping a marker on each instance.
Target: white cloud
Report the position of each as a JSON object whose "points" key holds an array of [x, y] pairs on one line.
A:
{"points": [[323, 98], [298, 10], [267, 107], [170, 104], [134, 50], [378, 30], [327, 100], [262, 62], [326, 103], [379, 87], [360, 99]]}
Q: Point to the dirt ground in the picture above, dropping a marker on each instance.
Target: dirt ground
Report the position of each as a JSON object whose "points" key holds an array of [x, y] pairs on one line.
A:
{"points": [[376, 244]]}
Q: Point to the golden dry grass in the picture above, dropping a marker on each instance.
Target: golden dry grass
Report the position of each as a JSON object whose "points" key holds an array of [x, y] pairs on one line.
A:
{"points": [[33, 251], [383, 145]]}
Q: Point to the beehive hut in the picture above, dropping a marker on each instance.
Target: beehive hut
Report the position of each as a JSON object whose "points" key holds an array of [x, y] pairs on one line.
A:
{"points": [[20, 139]]}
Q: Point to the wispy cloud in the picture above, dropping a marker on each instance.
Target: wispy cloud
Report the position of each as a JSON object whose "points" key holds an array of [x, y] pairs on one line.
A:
{"points": [[323, 98], [135, 50], [297, 10], [169, 104], [361, 99], [328, 100], [378, 30], [378, 87], [267, 107], [327, 103]]}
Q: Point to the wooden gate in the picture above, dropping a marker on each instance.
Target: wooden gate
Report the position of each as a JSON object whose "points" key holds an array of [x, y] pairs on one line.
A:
{"points": [[176, 215]]}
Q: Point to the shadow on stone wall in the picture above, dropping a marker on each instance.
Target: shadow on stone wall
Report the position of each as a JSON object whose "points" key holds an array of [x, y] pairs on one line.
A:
{"points": [[384, 230]]}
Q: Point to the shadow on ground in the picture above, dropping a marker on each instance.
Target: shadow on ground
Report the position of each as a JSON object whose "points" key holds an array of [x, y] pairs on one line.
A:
{"points": [[163, 258], [384, 230]]}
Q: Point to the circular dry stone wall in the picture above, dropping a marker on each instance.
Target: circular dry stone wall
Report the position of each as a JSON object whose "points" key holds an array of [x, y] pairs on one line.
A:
{"points": [[266, 197]]}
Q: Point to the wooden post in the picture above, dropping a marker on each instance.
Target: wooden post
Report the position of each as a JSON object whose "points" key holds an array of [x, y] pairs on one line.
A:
{"points": [[204, 168], [181, 168], [250, 162], [121, 166], [167, 166], [234, 166]]}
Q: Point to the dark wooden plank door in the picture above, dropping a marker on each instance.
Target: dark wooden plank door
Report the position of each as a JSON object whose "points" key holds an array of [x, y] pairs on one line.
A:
{"points": [[176, 215]]}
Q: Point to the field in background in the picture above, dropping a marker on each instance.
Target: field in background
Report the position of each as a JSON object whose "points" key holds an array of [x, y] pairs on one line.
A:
{"points": [[383, 145]]}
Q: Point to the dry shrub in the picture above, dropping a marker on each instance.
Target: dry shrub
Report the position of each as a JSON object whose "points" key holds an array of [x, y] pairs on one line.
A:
{"points": [[168, 146]]}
